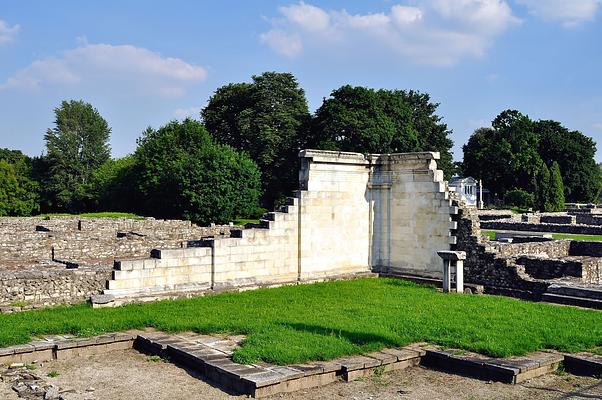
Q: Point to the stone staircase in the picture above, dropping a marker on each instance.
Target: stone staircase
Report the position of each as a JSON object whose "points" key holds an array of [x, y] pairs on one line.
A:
{"points": [[190, 270]]}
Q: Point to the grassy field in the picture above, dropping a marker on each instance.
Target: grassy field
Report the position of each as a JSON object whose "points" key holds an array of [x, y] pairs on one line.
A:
{"points": [[597, 238], [326, 320], [105, 214]]}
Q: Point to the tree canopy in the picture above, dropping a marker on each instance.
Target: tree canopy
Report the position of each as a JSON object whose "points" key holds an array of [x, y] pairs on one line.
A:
{"points": [[267, 119], [183, 173], [76, 146], [510, 154], [366, 120]]}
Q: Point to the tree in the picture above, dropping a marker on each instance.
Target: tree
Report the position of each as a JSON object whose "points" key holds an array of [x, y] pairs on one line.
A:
{"points": [[556, 190], [18, 194], [268, 120], [542, 189], [575, 154], [76, 147], [183, 173], [488, 156], [509, 154], [112, 186], [381, 121]]}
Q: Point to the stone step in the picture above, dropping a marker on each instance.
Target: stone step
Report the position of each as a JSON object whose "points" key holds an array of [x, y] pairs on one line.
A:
{"points": [[586, 364], [507, 370], [576, 291], [572, 300]]}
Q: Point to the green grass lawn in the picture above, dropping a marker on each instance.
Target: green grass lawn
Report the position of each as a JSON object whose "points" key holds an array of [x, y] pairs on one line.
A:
{"points": [[104, 214], [243, 221], [598, 238], [326, 320]]}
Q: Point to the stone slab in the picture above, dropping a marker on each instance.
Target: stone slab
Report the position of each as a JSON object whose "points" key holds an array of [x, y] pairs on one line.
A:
{"points": [[587, 364]]}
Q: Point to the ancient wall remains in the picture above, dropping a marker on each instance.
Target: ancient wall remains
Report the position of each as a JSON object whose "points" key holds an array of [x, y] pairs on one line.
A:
{"points": [[50, 285], [353, 214], [56, 260]]}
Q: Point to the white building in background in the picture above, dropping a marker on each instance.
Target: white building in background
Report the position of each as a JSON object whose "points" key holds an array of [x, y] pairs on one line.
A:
{"points": [[467, 188]]}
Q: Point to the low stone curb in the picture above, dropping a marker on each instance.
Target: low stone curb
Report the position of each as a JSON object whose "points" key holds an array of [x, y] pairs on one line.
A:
{"points": [[259, 380], [65, 347], [507, 370], [210, 357], [587, 364]]}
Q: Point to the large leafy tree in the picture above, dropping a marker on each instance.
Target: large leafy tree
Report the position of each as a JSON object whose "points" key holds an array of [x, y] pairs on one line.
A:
{"points": [[489, 157], [381, 121], [267, 119], [574, 152], [76, 146], [183, 173], [510, 154]]}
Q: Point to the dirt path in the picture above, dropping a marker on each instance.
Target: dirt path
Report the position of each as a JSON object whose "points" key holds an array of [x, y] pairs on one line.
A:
{"points": [[130, 375]]}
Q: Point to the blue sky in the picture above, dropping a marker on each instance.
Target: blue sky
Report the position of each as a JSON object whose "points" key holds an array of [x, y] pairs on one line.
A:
{"points": [[143, 63]]}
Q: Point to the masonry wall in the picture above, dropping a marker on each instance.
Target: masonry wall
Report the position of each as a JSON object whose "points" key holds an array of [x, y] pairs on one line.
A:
{"points": [[419, 214], [51, 285], [353, 214]]}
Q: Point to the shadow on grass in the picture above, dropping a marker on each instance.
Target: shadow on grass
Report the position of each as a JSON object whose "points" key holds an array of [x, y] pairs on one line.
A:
{"points": [[356, 338]]}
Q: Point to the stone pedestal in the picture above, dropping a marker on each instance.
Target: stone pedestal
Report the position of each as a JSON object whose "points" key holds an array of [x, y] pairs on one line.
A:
{"points": [[453, 259]]}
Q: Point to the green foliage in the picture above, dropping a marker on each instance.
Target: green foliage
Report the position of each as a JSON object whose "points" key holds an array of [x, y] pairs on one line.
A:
{"points": [[509, 154], [365, 120], [295, 324], [542, 189], [574, 152], [519, 198], [504, 156], [267, 119], [591, 238], [556, 190], [18, 194], [76, 147], [112, 186], [549, 190], [183, 173]]}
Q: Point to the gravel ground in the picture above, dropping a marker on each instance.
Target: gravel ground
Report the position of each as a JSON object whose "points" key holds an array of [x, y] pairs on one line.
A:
{"points": [[130, 375]]}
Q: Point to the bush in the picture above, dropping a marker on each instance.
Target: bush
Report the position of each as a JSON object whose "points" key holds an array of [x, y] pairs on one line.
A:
{"points": [[183, 173], [519, 198], [18, 194]]}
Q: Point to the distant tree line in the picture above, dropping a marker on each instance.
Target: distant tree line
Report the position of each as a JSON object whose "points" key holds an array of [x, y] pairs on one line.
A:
{"points": [[242, 155], [529, 163]]}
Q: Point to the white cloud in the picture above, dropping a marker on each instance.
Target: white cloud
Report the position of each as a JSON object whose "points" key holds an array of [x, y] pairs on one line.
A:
{"points": [[187, 112], [568, 12], [122, 67], [7, 32], [439, 32], [597, 126]]}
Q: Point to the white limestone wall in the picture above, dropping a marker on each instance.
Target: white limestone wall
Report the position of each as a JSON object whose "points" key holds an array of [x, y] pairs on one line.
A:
{"points": [[353, 214], [170, 270], [412, 213], [260, 256], [334, 214]]}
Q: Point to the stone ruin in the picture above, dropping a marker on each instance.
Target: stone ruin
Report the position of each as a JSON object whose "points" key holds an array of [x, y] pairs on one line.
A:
{"points": [[354, 215], [55, 260], [584, 220]]}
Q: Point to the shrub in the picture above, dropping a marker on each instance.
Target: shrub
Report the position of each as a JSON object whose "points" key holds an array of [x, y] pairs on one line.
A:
{"points": [[519, 198], [183, 173]]}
